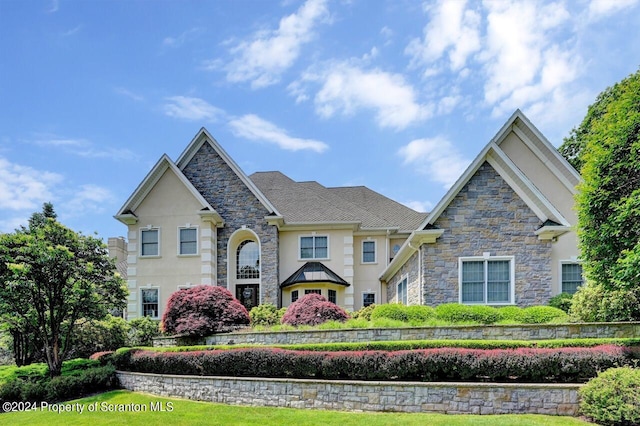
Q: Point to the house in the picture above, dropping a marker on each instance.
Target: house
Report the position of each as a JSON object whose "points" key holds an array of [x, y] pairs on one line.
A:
{"points": [[503, 234], [265, 237]]}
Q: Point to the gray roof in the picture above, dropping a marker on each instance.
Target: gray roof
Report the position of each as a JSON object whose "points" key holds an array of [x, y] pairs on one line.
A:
{"points": [[310, 202], [314, 272]]}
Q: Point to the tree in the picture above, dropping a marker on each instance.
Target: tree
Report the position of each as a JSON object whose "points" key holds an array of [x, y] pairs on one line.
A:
{"points": [[50, 278], [203, 310], [608, 203]]}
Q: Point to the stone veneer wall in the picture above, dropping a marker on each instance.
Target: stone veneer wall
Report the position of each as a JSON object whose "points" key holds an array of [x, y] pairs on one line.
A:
{"points": [[451, 398], [493, 332], [237, 205], [487, 216], [410, 270]]}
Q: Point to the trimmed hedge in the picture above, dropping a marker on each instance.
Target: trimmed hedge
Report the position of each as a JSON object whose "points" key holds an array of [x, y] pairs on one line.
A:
{"points": [[442, 364], [455, 312]]}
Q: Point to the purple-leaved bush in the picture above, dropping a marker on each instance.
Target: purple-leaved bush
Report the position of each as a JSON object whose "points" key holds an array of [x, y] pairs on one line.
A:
{"points": [[203, 310], [313, 309]]}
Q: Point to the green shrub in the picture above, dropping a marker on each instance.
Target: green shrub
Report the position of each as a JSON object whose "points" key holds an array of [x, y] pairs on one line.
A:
{"points": [[265, 315], [455, 313], [364, 313], [511, 314], [542, 315], [95, 336], [561, 301], [142, 331], [613, 397], [594, 303], [419, 313], [392, 311]]}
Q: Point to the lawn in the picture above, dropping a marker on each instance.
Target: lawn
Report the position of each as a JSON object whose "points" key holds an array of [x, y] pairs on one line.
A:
{"points": [[185, 412]]}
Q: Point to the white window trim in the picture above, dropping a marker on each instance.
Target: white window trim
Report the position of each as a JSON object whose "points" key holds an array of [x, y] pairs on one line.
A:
{"points": [[567, 262], [197, 253], [151, 228], [485, 258], [291, 296], [404, 277], [300, 237], [329, 290], [142, 301], [375, 252], [375, 297]]}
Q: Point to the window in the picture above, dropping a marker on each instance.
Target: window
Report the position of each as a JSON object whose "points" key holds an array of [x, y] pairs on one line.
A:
{"points": [[312, 291], [333, 296], [188, 243], [571, 277], [314, 247], [150, 302], [150, 242], [485, 280], [294, 296], [402, 291], [248, 260], [368, 299], [368, 252]]}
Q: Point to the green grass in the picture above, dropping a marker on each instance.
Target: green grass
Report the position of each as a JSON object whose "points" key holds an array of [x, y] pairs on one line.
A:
{"points": [[185, 412]]}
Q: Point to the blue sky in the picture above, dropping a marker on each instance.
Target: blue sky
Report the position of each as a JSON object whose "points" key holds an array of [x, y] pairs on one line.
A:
{"points": [[396, 95]]}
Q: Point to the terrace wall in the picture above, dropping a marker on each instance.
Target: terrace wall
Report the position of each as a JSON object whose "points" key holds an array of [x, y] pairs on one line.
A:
{"points": [[450, 398], [480, 332]]}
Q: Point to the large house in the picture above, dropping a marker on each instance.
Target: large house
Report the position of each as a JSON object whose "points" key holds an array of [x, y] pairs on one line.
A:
{"points": [[502, 235]]}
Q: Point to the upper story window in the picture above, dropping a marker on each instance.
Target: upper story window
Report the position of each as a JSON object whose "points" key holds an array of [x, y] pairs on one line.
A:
{"points": [[368, 251], [486, 280], [150, 242], [314, 247], [248, 260], [188, 241], [571, 277], [402, 291]]}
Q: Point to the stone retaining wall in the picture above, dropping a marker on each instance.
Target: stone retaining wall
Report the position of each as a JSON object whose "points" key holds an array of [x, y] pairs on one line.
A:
{"points": [[450, 398], [480, 332]]}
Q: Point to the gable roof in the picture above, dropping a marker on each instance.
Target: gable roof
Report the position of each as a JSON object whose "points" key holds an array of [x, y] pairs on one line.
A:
{"points": [[126, 213], [519, 182], [202, 137], [314, 272], [309, 203], [553, 222]]}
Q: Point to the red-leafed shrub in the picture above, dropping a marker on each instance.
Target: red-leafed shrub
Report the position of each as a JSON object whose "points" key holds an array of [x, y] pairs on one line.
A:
{"points": [[313, 309], [203, 310], [572, 365]]}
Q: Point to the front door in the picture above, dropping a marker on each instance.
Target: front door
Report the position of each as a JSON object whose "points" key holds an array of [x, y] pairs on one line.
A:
{"points": [[247, 294]]}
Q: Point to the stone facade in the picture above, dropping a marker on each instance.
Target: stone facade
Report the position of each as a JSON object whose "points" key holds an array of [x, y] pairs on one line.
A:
{"points": [[486, 216], [450, 398], [410, 271], [238, 206], [477, 332]]}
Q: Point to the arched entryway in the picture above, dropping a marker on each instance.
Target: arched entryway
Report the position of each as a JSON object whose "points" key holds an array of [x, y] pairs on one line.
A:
{"points": [[244, 267]]}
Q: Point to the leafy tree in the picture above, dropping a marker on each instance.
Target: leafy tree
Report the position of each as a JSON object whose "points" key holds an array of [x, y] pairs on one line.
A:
{"points": [[50, 278], [608, 204], [203, 310]]}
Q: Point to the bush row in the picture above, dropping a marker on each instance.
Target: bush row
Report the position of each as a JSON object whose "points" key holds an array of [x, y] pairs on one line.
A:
{"points": [[85, 382], [632, 343], [441, 364]]}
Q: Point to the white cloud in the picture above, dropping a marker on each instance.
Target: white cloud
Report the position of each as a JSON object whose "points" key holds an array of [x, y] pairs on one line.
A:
{"points": [[602, 8], [252, 127], [522, 62], [129, 94], [346, 89], [174, 42], [22, 187], [436, 158], [191, 109], [269, 53], [84, 148], [453, 30], [419, 206], [87, 198]]}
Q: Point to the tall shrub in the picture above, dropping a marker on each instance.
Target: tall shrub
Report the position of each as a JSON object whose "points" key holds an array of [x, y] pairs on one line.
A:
{"points": [[313, 309], [613, 398], [203, 310]]}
